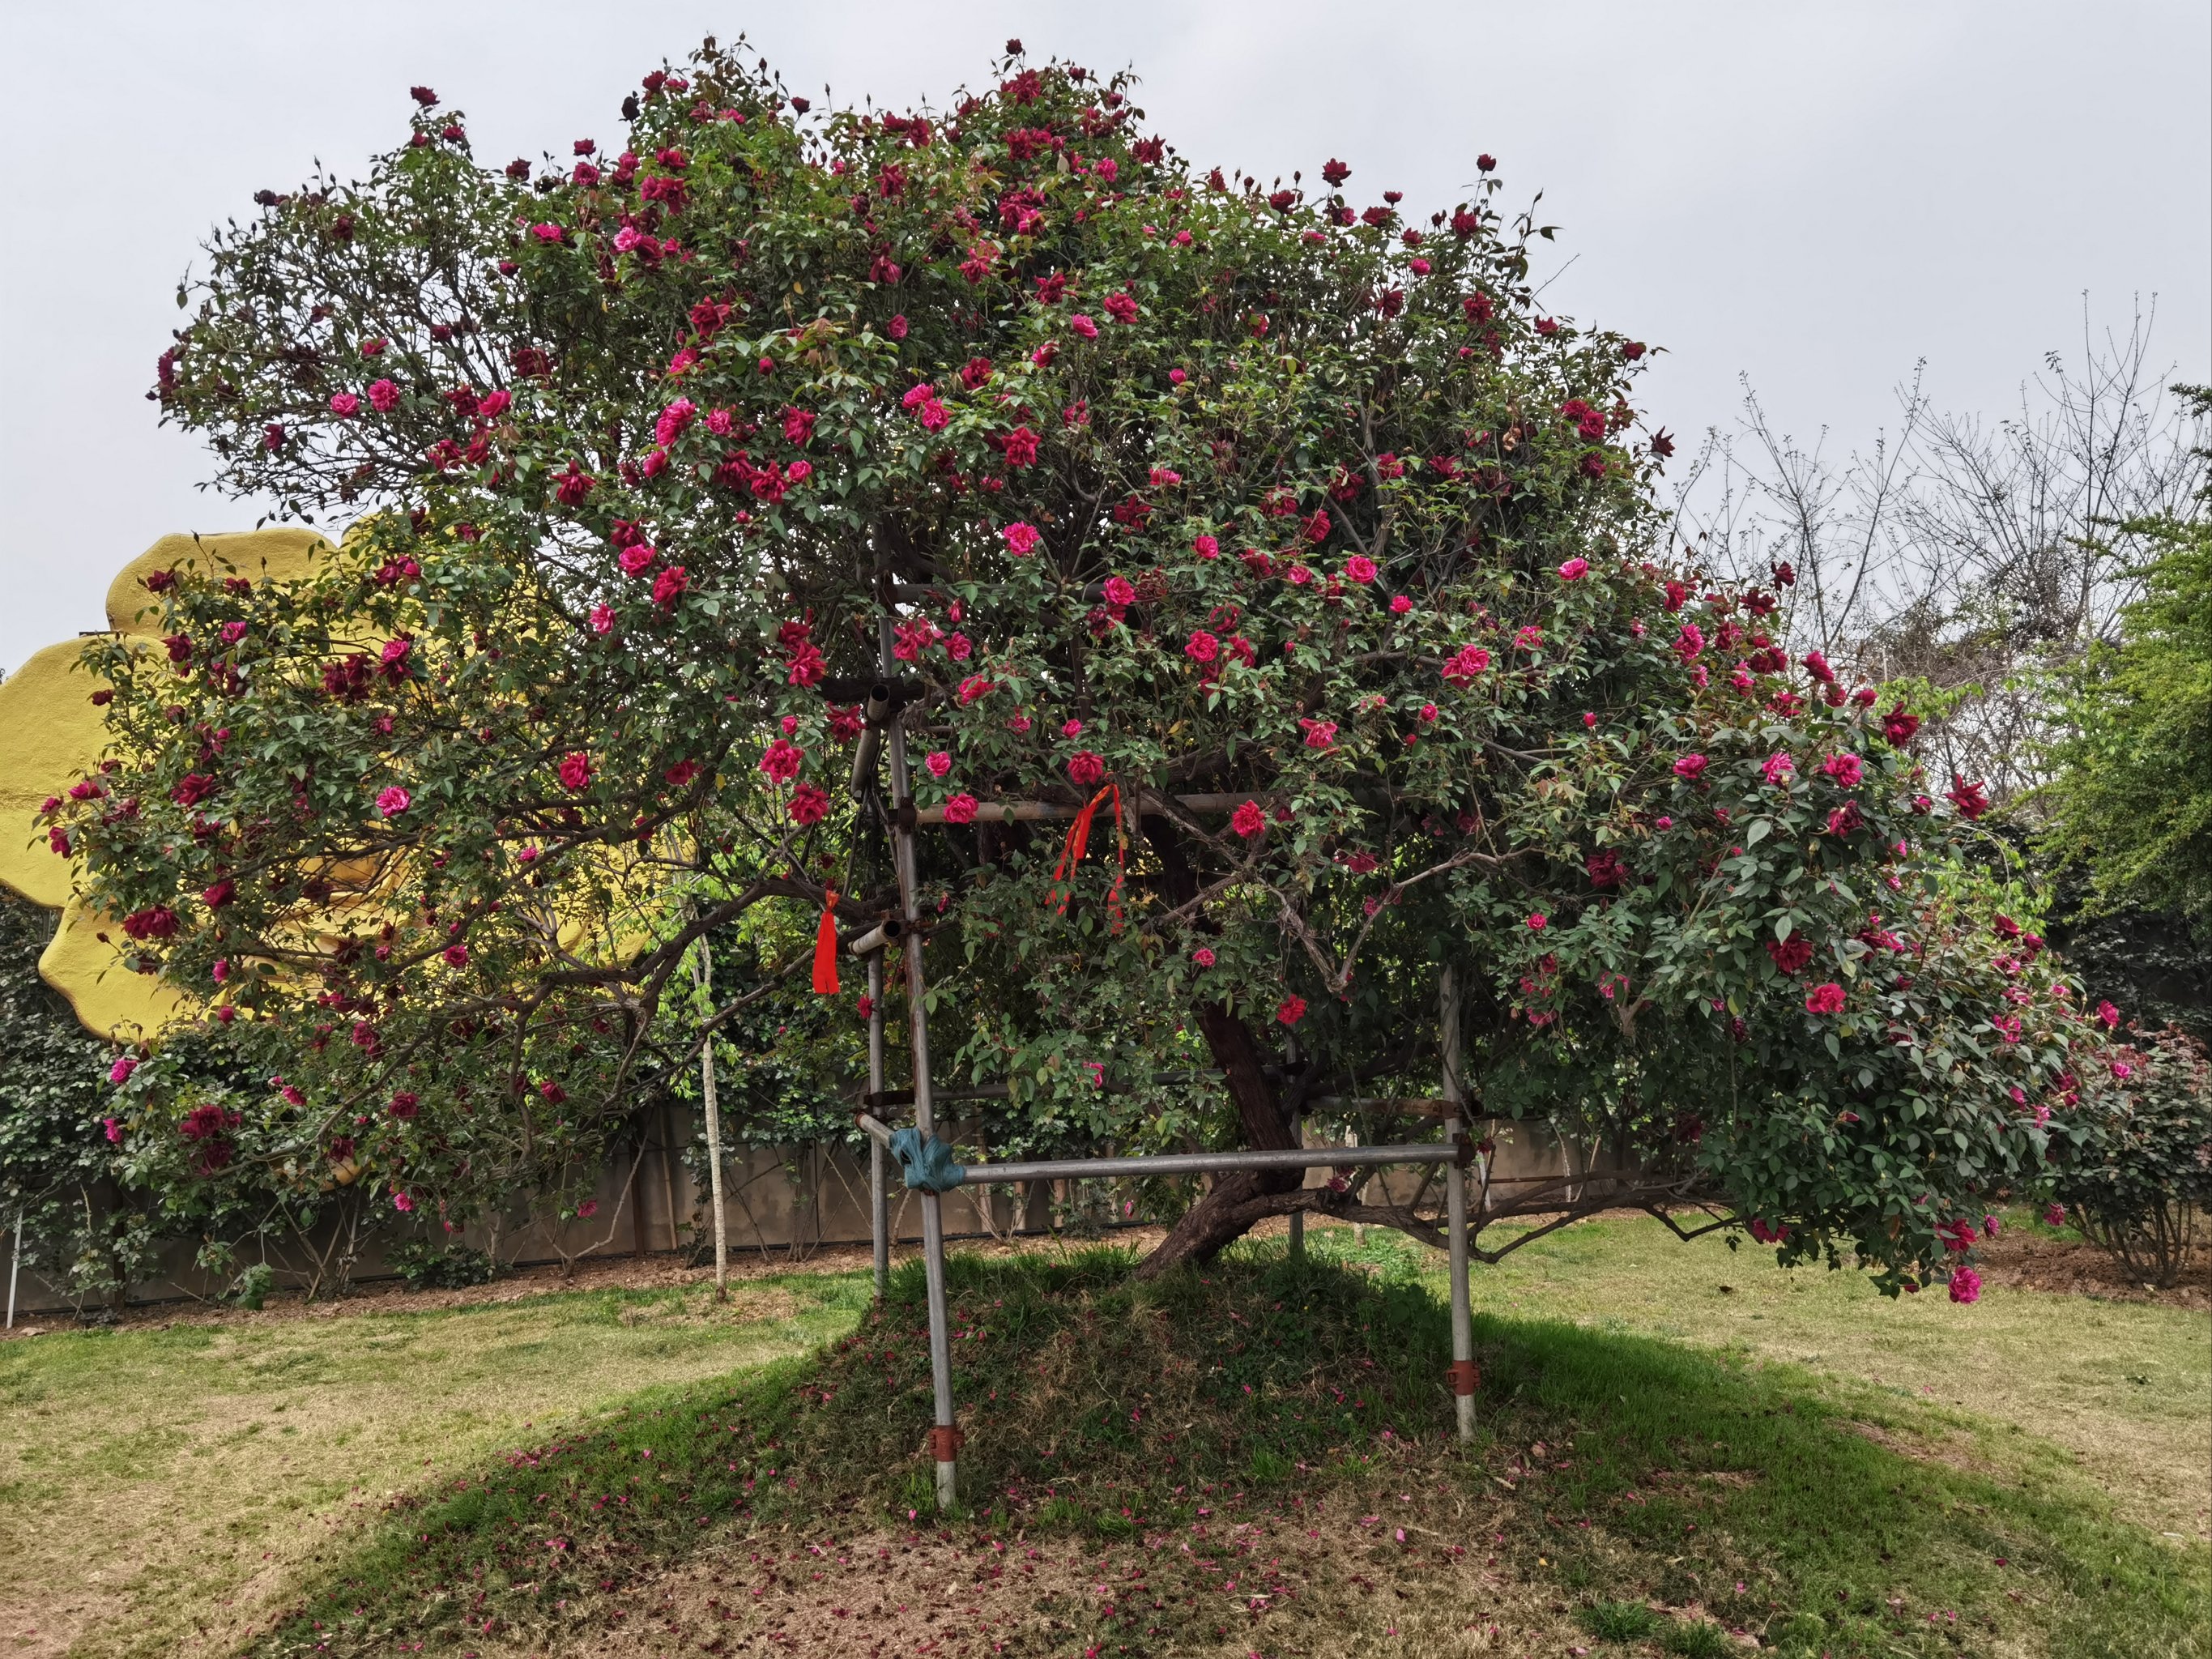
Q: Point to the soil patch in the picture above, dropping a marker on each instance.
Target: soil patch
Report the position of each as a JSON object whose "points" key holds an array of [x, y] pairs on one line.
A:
{"points": [[2022, 1259]]}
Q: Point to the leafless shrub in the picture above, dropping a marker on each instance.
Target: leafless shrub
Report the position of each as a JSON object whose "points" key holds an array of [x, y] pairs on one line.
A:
{"points": [[1981, 558]]}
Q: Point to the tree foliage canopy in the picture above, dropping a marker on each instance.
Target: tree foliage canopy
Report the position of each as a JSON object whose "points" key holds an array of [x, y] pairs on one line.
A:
{"points": [[1159, 484], [2132, 798]]}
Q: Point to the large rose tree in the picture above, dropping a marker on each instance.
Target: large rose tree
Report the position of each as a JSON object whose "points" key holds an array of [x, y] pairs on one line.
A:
{"points": [[1278, 524]]}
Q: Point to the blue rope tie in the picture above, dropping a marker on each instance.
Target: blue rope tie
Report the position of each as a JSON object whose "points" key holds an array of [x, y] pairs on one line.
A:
{"points": [[926, 1161]]}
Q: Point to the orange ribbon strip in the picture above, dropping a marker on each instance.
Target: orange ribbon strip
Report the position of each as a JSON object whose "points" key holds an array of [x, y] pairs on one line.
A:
{"points": [[1078, 842]]}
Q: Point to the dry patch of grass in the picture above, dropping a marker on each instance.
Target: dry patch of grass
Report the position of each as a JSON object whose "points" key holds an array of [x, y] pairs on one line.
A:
{"points": [[1330, 1581]]}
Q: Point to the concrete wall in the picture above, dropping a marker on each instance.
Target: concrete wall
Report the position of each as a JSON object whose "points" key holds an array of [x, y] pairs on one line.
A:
{"points": [[780, 1202]]}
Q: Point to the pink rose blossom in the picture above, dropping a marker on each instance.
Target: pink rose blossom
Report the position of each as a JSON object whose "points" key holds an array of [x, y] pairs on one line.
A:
{"points": [[1020, 538], [1826, 998], [1574, 570], [575, 771], [781, 759], [1462, 667], [960, 809], [391, 802], [939, 763]]}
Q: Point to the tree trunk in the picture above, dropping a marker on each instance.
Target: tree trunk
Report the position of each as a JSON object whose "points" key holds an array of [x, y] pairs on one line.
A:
{"points": [[1238, 1199], [1226, 1213]]}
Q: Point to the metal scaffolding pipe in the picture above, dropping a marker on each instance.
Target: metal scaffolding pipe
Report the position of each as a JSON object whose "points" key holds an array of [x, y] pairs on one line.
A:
{"points": [[891, 931], [879, 1227], [1168, 1163], [945, 1434], [1462, 1318], [1035, 812]]}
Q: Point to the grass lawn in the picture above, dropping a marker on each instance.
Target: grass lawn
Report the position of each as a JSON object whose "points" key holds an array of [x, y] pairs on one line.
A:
{"points": [[2124, 1390], [1254, 1464], [158, 1486]]}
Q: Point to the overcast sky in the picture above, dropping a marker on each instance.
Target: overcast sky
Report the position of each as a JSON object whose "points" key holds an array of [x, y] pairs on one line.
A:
{"points": [[1815, 197]]}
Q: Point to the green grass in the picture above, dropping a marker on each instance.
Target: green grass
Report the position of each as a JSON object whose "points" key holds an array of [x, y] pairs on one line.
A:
{"points": [[2124, 1390], [157, 1484], [1614, 1470], [1793, 1456]]}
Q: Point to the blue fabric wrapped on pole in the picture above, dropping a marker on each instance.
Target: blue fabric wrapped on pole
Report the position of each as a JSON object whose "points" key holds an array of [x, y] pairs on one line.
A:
{"points": [[926, 1161]]}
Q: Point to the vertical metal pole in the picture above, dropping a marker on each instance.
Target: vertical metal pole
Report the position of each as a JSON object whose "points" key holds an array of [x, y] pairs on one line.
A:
{"points": [[879, 1199], [1462, 1317], [14, 1266], [1358, 1229], [1298, 1138], [704, 968], [945, 1437]]}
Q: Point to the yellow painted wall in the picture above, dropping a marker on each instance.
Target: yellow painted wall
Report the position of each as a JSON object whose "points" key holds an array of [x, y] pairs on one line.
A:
{"points": [[50, 734]]}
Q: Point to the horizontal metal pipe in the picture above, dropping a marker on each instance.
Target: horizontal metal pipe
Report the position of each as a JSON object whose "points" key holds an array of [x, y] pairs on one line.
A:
{"points": [[875, 1130], [1035, 812], [1003, 1092], [887, 931], [1309, 1157], [1412, 1108]]}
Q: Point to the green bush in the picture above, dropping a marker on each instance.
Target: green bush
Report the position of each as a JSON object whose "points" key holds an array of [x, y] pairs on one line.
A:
{"points": [[2140, 1175], [426, 1265]]}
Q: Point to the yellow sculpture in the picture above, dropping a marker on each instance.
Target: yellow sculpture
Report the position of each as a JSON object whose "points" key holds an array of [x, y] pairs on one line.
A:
{"points": [[51, 734]]}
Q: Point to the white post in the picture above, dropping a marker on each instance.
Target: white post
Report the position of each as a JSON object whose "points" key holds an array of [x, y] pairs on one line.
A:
{"points": [[879, 1200], [1464, 1375], [703, 969], [14, 1266], [945, 1436]]}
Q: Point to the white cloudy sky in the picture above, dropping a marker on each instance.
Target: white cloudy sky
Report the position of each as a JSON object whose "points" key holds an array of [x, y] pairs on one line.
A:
{"points": [[1814, 196]]}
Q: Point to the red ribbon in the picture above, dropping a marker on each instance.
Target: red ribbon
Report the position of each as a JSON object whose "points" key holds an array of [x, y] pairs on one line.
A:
{"points": [[825, 946], [1078, 842]]}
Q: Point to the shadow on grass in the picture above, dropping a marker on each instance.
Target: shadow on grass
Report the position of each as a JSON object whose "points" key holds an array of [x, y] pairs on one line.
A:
{"points": [[1094, 1405]]}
